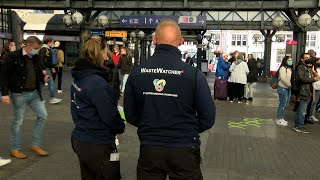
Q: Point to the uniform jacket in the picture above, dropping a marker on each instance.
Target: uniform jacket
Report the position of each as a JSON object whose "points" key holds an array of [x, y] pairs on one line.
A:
{"points": [[94, 105], [168, 100]]}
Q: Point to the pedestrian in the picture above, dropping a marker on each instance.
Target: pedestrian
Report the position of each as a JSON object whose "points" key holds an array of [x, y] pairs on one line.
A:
{"points": [[222, 71], [113, 76], [21, 75], [189, 60], [238, 78], [48, 69], [170, 103], [116, 54], [252, 77], [259, 67], [316, 95], [234, 57], [284, 89], [59, 67], [95, 115], [2, 160], [305, 77], [125, 65]]}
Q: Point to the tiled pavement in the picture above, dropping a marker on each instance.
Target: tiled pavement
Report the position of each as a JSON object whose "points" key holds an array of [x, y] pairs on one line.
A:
{"points": [[266, 152]]}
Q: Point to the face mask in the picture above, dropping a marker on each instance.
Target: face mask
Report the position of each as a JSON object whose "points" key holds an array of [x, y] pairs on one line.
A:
{"points": [[115, 51], [308, 61], [289, 63], [34, 52]]}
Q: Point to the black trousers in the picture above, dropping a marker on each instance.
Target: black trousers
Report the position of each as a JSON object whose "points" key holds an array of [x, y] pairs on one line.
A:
{"points": [[95, 161], [156, 162], [236, 91], [59, 72]]}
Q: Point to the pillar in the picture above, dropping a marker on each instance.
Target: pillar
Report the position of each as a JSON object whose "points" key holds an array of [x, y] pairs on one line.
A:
{"points": [[199, 53], [267, 51], [143, 47], [136, 52], [300, 36]]}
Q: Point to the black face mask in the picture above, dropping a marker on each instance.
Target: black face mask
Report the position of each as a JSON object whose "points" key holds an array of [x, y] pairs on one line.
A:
{"points": [[308, 61]]}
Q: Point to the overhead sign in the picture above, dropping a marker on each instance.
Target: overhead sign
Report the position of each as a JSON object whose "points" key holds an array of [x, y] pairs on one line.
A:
{"points": [[97, 32], [119, 34], [185, 21]]}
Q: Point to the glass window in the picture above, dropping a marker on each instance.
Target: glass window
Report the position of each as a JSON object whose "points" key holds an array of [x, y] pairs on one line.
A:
{"points": [[311, 40], [280, 55], [239, 40]]}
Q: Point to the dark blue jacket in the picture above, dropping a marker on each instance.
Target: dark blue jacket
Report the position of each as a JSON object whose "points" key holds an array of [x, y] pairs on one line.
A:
{"points": [[94, 105], [222, 69], [168, 100]]}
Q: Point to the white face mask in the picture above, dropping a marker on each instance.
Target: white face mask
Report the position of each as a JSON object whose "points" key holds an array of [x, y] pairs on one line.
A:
{"points": [[115, 51]]}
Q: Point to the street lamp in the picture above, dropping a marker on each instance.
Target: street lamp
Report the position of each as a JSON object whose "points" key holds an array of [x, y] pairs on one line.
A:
{"points": [[78, 19], [304, 21], [256, 37], [136, 37], [277, 22]]}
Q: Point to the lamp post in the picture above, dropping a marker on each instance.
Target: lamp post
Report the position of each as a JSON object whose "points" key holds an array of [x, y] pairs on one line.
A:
{"points": [[136, 38]]}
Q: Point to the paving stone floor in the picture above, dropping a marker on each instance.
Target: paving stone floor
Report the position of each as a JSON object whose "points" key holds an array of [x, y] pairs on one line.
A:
{"points": [[268, 152]]}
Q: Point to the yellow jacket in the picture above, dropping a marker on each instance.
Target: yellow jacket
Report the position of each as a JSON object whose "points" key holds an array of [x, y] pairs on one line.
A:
{"points": [[61, 58]]}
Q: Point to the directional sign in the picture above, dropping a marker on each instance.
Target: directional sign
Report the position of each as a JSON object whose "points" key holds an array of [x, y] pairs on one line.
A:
{"points": [[154, 20], [96, 32], [119, 34]]}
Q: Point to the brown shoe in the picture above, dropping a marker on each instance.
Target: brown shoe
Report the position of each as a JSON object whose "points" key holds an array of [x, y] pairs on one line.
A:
{"points": [[39, 151], [17, 154]]}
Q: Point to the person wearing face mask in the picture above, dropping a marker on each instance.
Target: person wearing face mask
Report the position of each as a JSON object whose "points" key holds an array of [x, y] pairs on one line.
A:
{"points": [[95, 115], [305, 76], [284, 89], [125, 66], [20, 76]]}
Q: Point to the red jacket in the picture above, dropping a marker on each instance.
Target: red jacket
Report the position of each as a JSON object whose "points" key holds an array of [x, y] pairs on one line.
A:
{"points": [[116, 58]]}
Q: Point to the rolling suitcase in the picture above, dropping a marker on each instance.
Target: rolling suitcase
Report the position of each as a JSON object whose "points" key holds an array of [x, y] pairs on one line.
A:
{"points": [[220, 89]]}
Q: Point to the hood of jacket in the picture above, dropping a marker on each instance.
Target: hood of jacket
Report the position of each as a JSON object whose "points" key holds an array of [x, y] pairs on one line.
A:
{"points": [[84, 68]]}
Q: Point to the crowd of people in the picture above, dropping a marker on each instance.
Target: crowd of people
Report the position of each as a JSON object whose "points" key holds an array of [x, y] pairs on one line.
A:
{"points": [[169, 119], [235, 77]]}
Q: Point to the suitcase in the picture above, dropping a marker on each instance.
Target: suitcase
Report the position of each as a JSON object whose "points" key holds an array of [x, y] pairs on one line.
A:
{"points": [[220, 89]]}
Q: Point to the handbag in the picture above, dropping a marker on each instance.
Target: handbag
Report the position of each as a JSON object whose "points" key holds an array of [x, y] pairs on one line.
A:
{"points": [[275, 80]]}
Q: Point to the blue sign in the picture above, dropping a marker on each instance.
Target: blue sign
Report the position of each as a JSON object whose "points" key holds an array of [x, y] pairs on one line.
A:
{"points": [[154, 20], [97, 32]]}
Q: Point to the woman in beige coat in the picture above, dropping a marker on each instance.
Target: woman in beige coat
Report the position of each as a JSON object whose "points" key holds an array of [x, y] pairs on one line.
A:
{"points": [[59, 66]]}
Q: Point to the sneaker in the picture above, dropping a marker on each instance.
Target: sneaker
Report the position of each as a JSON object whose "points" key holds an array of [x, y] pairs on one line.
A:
{"points": [[313, 118], [4, 161], [240, 102], [280, 122], [231, 101], [250, 99], [60, 91], [54, 100], [46, 84], [284, 121], [301, 130], [117, 142]]}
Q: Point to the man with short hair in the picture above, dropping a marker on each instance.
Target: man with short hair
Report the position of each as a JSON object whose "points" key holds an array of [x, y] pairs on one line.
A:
{"points": [[20, 76], [305, 78], [48, 69], [171, 104]]}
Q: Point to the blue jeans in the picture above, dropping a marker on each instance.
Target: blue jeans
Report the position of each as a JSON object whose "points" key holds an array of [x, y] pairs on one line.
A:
{"points": [[314, 103], [50, 84], [20, 102], [301, 112], [284, 99]]}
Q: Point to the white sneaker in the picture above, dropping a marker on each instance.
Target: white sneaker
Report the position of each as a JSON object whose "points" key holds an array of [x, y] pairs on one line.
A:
{"points": [[313, 118], [280, 122], [60, 91], [117, 142], [284, 121], [4, 161], [54, 100], [46, 84]]}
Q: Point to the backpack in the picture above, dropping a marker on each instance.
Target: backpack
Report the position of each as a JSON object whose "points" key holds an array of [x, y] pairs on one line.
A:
{"points": [[54, 56], [275, 80]]}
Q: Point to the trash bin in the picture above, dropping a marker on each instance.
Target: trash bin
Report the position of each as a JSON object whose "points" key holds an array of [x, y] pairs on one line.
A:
{"points": [[204, 66]]}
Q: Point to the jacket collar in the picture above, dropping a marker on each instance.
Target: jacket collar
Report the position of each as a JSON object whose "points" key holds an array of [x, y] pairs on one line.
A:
{"points": [[165, 48]]}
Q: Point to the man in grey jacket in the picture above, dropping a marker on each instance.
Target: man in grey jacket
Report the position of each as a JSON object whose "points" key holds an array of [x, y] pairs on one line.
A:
{"points": [[305, 77]]}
